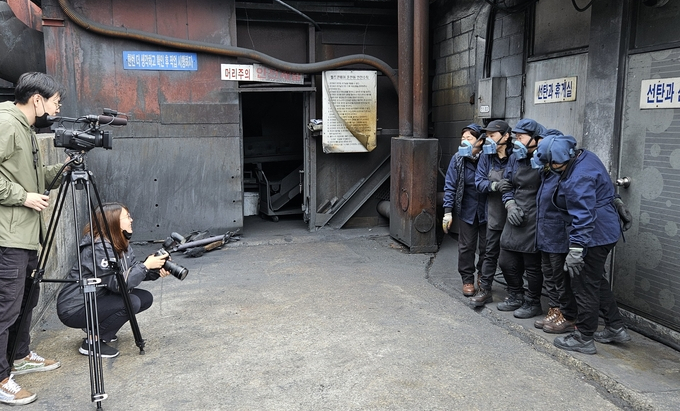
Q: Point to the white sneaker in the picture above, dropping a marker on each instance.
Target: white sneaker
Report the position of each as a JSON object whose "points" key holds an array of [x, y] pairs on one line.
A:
{"points": [[33, 363], [11, 393]]}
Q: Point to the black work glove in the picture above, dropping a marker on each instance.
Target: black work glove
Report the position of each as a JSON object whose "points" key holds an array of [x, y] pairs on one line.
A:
{"points": [[515, 214], [503, 186], [624, 214], [574, 263]]}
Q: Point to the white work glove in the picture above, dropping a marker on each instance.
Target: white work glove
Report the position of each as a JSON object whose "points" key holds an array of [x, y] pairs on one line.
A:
{"points": [[446, 222]]}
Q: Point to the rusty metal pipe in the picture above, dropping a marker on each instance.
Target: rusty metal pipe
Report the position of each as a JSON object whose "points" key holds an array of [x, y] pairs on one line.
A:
{"points": [[230, 51], [405, 39], [421, 15]]}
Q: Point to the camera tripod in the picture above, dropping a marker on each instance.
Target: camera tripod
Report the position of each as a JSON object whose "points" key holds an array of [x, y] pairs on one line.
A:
{"points": [[81, 179]]}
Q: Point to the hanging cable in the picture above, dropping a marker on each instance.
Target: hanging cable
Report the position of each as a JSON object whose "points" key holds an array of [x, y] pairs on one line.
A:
{"points": [[579, 9], [303, 15]]}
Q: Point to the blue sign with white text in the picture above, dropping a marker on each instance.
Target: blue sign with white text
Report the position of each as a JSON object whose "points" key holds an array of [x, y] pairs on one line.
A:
{"points": [[159, 60]]}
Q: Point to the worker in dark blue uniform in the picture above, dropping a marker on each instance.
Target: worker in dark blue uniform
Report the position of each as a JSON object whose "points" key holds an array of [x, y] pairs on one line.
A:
{"points": [[461, 196], [518, 254], [489, 179], [586, 199], [552, 241]]}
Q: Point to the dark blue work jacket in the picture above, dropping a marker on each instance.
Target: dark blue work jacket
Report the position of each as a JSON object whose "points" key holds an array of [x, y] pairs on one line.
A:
{"points": [[551, 229], [584, 197], [490, 169], [473, 202]]}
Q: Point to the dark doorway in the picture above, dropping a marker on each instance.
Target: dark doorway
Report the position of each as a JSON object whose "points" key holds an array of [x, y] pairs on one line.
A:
{"points": [[273, 135]]}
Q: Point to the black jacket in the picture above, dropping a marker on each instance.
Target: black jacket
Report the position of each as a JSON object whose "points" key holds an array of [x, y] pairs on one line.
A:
{"points": [[70, 298]]}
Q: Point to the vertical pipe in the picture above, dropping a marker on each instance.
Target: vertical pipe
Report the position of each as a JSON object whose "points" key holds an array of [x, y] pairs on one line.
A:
{"points": [[421, 16], [405, 40]]}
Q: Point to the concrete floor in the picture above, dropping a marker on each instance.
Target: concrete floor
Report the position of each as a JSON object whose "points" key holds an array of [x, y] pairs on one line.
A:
{"points": [[286, 319]]}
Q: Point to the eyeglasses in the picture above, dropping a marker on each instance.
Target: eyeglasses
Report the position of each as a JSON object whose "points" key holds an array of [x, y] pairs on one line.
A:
{"points": [[57, 103]]}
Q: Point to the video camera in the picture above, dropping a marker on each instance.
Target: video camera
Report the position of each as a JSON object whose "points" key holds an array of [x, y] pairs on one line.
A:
{"points": [[88, 135], [169, 245]]}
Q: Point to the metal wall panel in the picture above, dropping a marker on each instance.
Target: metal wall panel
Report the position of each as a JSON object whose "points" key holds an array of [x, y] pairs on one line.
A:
{"points": [[647, 264], [173, 184], [567, 117], [177, 163]]}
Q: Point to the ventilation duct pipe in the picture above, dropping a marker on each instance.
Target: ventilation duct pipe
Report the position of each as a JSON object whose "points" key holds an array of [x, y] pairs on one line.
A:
{"points": [[230, 51], [22, 49]]}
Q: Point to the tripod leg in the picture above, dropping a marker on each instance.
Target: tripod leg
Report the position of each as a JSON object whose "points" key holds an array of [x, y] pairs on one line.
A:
{"points": [[121, 280], [92, 340], [89, 289], [132, 317]]}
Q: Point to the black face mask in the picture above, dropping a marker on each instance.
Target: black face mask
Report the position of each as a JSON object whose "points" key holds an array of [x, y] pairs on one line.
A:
{"points": [[127, 235], [42, 121]]}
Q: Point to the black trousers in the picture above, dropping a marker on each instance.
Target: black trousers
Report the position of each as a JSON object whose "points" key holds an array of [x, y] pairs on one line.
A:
{"points": [[111, 312], [558, 284], [471, 237], [593, 293], [490, 263], [514, 264], [16, 267]]}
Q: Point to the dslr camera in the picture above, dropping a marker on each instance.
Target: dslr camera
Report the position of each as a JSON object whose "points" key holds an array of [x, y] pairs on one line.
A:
{"points": [[169, 244]]}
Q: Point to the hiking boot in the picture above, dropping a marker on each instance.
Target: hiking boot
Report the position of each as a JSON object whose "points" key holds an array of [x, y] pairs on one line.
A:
{"points": [[468, 290], [11, 393], [511, 302], [559, 326], [609, 335], [482, 297], [106, 351], [576, 342], [530, 308], [33, 363], [550, 317]]}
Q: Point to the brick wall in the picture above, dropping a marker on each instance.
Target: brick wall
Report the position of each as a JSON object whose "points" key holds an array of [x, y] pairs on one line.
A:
{"points": [[459, 31]]}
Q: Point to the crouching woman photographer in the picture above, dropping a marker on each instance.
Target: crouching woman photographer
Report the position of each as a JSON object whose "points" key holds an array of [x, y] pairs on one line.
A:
{"points": [[111, 310]]}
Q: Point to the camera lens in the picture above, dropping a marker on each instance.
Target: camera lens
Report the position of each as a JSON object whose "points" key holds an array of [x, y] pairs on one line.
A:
{"points": [[176, 270]]}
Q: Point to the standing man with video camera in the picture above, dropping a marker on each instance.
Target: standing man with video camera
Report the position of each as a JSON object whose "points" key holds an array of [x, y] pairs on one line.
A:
{"points": [[22, 182]]}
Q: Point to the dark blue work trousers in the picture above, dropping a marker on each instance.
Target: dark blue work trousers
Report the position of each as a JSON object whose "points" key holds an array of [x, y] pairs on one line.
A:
{"points": [[490, 263], [558, 284], [593, 293], [471, 237], [514, 265]]}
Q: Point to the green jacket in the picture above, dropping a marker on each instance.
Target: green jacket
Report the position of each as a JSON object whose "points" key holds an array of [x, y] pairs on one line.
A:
{"points": [[21, 171]]}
